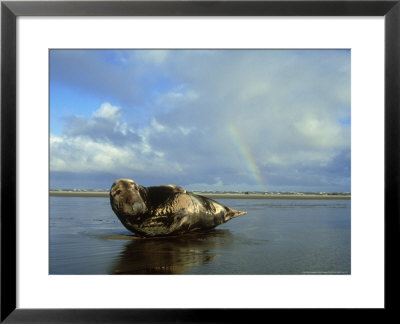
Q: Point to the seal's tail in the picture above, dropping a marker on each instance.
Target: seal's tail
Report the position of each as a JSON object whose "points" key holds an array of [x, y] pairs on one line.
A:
{"points": [[232, 213]]}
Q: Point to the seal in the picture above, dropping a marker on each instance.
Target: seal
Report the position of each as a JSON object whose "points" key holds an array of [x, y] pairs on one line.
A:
{"points": [[165, 210]]}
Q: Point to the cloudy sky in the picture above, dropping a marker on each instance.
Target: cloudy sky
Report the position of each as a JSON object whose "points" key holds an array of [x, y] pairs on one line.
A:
{"points": [[271, 120]]}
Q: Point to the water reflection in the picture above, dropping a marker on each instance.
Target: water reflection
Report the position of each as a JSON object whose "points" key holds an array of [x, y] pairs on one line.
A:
{"points": [[172, 255]]}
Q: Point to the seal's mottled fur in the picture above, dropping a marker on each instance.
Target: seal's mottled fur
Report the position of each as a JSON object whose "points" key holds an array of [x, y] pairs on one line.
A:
{"points": [[165, 210]]}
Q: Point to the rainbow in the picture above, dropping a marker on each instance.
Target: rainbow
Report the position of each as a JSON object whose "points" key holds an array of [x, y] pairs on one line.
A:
{"points": [[245, 154]]}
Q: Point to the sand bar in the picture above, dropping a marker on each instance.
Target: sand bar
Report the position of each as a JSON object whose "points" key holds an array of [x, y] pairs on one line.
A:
{"points": [[211, 195]]}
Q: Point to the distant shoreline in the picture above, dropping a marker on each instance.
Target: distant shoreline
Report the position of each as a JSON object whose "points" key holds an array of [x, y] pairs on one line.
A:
{"points": [[60, 193]]}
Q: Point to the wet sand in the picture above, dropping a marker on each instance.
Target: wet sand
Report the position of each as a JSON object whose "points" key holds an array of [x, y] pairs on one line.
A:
{"points": [[280, 236], [211, 195]]}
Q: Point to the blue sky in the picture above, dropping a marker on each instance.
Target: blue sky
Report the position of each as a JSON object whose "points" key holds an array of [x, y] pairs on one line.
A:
{"points": [[271, 120]]}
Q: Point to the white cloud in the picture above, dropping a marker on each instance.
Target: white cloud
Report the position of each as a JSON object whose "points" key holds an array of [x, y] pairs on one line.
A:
{"points": [[82, 154], [157, 126], [107, 111], [89, 146], [321, 133], [152, 56]]}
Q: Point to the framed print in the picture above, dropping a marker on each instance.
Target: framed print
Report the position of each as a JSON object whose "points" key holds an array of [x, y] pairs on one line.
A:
{"points": [[255, 143]]}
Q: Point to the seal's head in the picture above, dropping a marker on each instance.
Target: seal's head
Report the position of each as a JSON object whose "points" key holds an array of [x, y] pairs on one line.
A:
{"points": [[126, 199]]}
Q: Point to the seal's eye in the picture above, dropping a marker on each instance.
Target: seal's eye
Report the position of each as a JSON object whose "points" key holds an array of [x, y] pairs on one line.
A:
{"points": [[118, 192]]}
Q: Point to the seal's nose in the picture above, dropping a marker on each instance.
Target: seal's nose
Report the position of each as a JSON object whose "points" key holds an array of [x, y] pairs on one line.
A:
{"points": [[137, 207]]}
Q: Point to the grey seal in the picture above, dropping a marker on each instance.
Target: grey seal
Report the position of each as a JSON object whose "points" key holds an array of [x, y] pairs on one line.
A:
{"points": [[165, 210]]}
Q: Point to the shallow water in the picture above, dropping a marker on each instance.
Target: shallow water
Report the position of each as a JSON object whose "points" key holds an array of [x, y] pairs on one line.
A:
{"points": [[275, 237]]}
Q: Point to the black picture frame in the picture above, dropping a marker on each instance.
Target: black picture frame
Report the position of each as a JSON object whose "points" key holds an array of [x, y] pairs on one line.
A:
{"points": [[10, 10]]}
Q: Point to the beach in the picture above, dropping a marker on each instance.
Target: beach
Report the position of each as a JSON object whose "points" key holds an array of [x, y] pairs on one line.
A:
{"points": [[63, 193], [276, 236]]}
